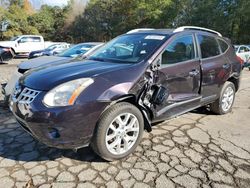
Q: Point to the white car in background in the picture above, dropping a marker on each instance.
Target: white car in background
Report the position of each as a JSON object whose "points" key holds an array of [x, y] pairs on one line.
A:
{"points": [[22, 45], [77, 53], [243, 51]]}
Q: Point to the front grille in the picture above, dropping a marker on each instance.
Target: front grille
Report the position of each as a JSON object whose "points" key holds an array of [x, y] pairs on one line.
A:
{"points": [[27, 96]]}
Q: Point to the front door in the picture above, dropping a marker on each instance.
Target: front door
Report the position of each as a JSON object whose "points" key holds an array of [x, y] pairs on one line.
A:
{"points": [[180, 75], [23, 45]]}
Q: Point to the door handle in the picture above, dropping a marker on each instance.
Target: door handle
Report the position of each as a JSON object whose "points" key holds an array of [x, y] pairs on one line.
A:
{"points": [[226, 66], [194, 72]]}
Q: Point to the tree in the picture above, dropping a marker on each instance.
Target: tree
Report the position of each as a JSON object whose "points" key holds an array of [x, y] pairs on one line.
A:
{"points": [[227, 17], [28, 7], [105, 19], [18, 22]]}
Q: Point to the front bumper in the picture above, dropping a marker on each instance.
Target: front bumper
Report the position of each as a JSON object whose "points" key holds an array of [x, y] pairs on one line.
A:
{"points": [[68, 127]]}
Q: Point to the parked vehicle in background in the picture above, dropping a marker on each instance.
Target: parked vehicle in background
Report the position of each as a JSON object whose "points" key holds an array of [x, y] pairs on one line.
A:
{"points": [[243, 51], [82, 48], [77, 52], [136, 79], [5, 54], [247, 64], [241, 62], [53, 49], [24, 44]]}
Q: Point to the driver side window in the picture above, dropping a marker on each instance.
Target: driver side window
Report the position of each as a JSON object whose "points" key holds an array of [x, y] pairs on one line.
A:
{"points": [[25, 39], [179, 50]]}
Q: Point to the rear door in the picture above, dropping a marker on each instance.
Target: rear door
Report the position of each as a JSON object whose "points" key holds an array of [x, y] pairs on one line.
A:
{"points": [[215, 67], [180, 74], [36, 43]]}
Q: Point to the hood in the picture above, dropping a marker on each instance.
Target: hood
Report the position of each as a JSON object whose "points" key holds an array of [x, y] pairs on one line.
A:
{"points": [[7, 43], [48, 77], [42, 61]]}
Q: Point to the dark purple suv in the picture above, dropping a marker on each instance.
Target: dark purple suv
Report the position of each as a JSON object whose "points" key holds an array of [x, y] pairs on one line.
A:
{"points": [[142, 77]]}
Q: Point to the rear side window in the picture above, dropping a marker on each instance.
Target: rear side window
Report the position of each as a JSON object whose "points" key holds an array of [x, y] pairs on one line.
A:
{"points": [[223, 45], [36, 39], [209, 46], [179, 50]]}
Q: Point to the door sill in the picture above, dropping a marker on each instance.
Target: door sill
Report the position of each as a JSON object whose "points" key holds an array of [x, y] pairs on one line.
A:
{"points": [[162, 111]]}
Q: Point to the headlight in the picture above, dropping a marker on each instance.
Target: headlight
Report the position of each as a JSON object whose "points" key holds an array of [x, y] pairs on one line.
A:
{"points": [[66, 93]]}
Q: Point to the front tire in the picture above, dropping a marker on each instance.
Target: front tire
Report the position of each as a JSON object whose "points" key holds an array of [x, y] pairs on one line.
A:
{"points": [[118, 131], [224, 104]]}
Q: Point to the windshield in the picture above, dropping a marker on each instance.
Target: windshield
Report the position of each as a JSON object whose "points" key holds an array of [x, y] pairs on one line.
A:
{"points": [[76, 50], [14, 38], [129, 48]]}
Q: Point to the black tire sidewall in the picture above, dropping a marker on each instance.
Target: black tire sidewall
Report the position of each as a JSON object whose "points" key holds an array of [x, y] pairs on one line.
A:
{"points": [[226, 85], [108, 116]]}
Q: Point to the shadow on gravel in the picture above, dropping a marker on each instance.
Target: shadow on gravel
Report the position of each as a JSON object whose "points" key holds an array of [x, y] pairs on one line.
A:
{"points": [[203, 110], [17, 144], [3, 63]]}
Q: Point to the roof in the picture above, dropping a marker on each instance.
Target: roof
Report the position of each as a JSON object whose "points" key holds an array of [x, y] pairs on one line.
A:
{"points": [[92, 43], [172, 31], [152, 31], [29, 36]]}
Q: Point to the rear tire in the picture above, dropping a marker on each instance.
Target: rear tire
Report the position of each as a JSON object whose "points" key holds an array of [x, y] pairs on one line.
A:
{"points": [[224, 104], [119, 131]]}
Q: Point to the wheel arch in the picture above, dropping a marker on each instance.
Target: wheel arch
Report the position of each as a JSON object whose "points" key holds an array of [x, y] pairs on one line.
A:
{"points": [[235, 81], [13, 50], [130, 98]]}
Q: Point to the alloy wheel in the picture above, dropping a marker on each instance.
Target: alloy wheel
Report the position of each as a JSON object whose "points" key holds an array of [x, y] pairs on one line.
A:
{"points": [[122, 133], [227, 99]]}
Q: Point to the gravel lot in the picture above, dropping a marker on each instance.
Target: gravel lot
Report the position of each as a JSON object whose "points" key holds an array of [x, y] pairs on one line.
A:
{"points": [[198, 149]]}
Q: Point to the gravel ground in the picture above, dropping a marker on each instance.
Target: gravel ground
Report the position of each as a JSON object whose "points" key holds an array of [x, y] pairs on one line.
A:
{"points": [[198, 149]]}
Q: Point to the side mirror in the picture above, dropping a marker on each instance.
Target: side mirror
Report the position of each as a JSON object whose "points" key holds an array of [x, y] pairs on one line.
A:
{"points": [[84, 57], [156, 64]]}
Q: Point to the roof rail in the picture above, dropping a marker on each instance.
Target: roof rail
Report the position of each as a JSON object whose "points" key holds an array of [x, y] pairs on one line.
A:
{"points": [[197, 28], [139, 29]]}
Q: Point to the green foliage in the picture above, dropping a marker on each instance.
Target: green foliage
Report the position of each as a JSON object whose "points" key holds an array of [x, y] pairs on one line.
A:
{"points": [[102, 20], [230, 17], [18, 21]]}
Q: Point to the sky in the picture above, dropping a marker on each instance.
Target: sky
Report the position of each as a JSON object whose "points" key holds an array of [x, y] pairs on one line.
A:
{"points": [[37, 3]]}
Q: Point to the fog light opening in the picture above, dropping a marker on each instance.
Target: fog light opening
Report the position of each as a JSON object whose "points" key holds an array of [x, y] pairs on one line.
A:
{"points": [[54, 133]]}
